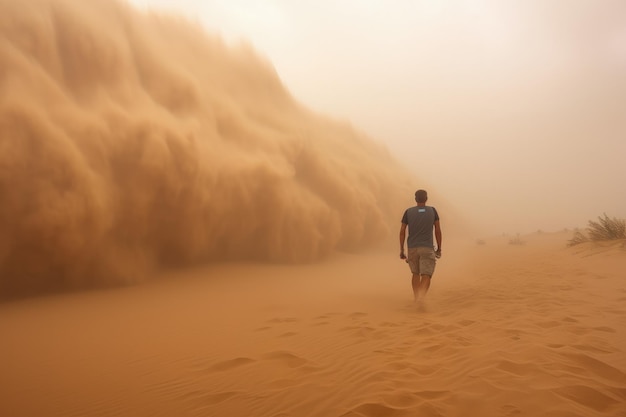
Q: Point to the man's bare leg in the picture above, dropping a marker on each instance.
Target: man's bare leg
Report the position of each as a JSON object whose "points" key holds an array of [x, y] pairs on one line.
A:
{"points": [[415, 282], [424, 285]]}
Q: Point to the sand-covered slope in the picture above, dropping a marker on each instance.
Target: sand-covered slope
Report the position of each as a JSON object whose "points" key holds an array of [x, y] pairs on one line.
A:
{"points": [[131, 141], [530, 330]]}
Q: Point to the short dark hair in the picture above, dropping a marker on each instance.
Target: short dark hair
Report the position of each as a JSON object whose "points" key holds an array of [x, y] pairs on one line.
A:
{"points": [[421, 196]]}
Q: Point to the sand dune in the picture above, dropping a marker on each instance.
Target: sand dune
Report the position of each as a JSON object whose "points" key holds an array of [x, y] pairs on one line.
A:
{"points": [[536, 329]]}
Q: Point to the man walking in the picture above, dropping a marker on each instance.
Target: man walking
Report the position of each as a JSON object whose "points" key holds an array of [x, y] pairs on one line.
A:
{"points": [[421, 220]]}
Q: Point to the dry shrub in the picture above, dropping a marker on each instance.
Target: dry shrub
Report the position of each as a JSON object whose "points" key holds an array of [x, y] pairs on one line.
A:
{"points": [[604, 229]]}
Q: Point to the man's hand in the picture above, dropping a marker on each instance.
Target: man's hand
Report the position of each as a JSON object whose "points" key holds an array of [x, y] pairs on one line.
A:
{"points": [[402, 255], [438, 253]]}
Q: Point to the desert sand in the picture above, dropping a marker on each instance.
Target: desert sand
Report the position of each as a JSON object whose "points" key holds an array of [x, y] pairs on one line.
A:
{"points": [[537, 329], [232, 227]]}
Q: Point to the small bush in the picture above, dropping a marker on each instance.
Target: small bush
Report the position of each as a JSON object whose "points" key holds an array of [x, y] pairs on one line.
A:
{"points": [[604, 229], [577, 239]]}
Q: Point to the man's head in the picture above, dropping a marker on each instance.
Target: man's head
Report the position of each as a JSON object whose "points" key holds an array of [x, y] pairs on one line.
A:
{"points": [[421, 196]]}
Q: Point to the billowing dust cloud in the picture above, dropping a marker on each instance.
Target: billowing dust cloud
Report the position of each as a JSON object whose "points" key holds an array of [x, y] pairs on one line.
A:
{"points": [[132, 141]]}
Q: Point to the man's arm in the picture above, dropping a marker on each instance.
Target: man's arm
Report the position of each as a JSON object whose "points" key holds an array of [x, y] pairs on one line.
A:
{"points": [[402, 238], [438, 236]]}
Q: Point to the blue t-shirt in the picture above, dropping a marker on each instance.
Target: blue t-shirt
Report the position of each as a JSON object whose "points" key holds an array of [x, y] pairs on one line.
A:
{"points": [[421, 220]]}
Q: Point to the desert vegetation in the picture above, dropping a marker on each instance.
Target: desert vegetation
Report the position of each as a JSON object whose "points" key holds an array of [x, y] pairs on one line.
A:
{"points": [[604, 229]]}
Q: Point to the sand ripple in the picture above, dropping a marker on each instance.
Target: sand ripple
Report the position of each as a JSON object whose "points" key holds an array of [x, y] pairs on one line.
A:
{"points": [[506, 340]]}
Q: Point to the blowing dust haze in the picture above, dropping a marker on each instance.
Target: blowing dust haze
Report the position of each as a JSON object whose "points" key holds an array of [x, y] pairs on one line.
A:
{"points": [[130, 141], [133, 139], [511, 110]]}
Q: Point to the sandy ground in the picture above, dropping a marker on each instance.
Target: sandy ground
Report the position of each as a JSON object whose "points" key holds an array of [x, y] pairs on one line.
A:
{"points": [[507, 330]]}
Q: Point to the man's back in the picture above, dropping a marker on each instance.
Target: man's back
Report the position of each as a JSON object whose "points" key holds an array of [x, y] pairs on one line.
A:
{"points": [[420, 220]]}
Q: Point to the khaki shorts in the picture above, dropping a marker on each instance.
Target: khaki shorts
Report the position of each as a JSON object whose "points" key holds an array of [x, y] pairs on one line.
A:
{"points": [[422, 261]]}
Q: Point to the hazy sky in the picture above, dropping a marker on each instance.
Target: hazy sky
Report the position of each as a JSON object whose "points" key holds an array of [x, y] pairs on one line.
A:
{"points": [[514, 111]]}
